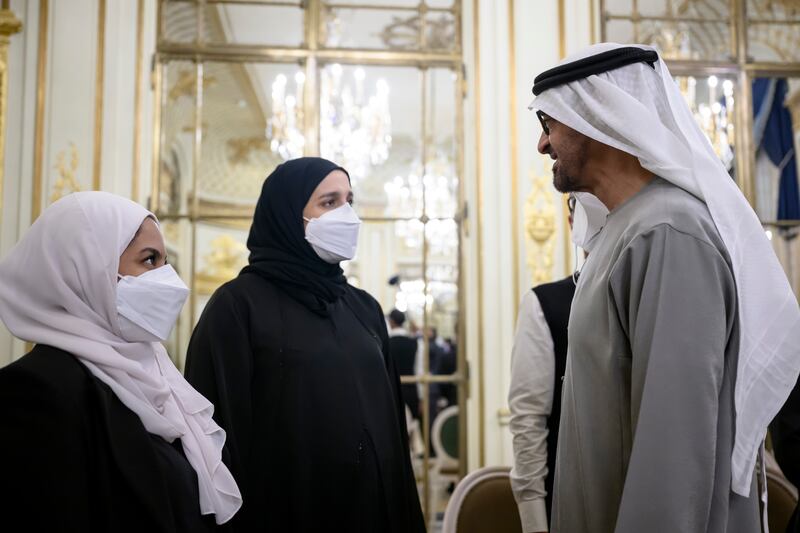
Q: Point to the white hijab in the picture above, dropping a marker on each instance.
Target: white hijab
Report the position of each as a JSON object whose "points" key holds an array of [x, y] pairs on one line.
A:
{"points": [[640, 110], [58, 287]]}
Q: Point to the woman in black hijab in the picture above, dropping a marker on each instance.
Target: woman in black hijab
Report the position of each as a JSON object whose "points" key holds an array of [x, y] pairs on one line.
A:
{"points": [[296, 361]]}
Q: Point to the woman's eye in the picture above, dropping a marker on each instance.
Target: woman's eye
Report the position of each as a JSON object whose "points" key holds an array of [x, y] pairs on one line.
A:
{"points": [[151, 260]]}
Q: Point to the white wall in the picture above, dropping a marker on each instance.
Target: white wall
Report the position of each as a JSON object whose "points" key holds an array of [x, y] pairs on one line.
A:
{"points": [[70, 109], [492, 315], [18, 163]]}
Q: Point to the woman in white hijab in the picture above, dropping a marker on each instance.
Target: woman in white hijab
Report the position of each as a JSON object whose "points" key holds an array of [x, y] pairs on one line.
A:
{"points": [[98, 429]]}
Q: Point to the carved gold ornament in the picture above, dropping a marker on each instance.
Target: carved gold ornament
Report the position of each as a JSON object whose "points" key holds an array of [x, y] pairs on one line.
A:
{"points": [[226, 258], [403, 32], [186, 83], [788, 5], [540, 226], [793, 103], [9, 25], [66, 182], [240, 148]]}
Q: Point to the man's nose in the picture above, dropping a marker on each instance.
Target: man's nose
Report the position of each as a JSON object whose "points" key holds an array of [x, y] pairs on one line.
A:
{"points": [[544, 144]]}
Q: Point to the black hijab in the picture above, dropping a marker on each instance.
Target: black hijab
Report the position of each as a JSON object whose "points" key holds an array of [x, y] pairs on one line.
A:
{"points": [[278, 248]]}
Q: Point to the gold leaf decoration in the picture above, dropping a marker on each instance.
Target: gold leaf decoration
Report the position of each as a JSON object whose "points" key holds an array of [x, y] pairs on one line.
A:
{"points": [[793, 103], [186, 83], [66, 182], [240, 148], [227, 257], [540, 226]]}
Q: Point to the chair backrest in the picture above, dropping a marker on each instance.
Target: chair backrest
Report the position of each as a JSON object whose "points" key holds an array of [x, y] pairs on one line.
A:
{"points": [[781, 501], [444, 434], [483, 502]]}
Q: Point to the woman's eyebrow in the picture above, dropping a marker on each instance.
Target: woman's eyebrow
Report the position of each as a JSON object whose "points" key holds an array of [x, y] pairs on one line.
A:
{"points": [[328, 195], [151, 251]]}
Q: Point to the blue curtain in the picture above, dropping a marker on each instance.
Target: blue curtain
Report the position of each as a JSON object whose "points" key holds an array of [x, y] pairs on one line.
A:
{"points": [[774, 134]]}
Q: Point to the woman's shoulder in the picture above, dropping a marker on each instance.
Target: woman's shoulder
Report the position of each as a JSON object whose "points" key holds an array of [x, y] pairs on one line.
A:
{"points": [[245, 286], [47, 372], [246, 296], [364, 299], [43, 360]]}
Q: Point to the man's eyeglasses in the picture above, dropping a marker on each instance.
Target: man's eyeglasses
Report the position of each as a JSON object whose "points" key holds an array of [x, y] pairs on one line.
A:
{"points": [[543, 121]]}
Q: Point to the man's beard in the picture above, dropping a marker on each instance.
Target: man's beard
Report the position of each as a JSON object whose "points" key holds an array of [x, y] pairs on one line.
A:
{"points": [[563, 182], [569, 166]]}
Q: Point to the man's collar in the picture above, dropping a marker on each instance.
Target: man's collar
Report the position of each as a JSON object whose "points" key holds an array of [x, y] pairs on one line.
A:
{"points": [[399, 332]]}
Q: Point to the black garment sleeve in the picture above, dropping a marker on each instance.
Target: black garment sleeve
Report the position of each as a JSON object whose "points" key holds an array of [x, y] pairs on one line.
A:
{"points": [[415, 517], [43, 445], [219, 364], [785, 432]]}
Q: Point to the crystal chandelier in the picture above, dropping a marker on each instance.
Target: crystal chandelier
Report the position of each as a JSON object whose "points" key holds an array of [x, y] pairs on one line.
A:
{"points": [[404, 194], [285, 126], [713, 110], [355, 129], [413, 297]]}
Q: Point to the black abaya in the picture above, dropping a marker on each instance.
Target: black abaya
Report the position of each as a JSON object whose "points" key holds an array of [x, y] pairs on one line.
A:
{"points": [[76, 460], [312, 409]]}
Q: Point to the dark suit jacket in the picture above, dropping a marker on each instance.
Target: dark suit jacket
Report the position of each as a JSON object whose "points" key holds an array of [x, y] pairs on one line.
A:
{"points": [[73, 457], [403, 349], [785, 431]]}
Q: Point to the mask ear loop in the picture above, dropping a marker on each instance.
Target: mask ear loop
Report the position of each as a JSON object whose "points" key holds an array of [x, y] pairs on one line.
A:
{"points": [[575, 271]]}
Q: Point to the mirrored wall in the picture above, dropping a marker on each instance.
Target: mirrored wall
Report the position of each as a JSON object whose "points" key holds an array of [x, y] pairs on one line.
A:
{"points": [[737, 63], [375, 86]]}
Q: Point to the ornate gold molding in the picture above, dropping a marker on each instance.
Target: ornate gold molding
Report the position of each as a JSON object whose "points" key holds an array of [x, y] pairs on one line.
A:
{"points": [[562, 29], [788, 5], [227, 257], [137, 100], [793, 103], [9, 25], [186, 85], [476, 50], [66, 182], [540, 228], [513, 110], [240, 148], [99, 87], [41, 87]]}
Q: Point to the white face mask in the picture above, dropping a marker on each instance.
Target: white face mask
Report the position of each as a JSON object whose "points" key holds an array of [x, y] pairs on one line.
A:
{"points": [[334, 235], [149, 304], [588, 219]]}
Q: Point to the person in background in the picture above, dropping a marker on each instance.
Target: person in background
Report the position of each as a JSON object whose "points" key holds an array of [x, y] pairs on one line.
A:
{"points": [[538, 360], [403, 348], [785, 433], [98, 429], [297, 362], [444, 363]]}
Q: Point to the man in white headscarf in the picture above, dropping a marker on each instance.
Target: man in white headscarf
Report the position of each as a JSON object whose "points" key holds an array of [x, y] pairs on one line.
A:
{"points": [[684, 337]]}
